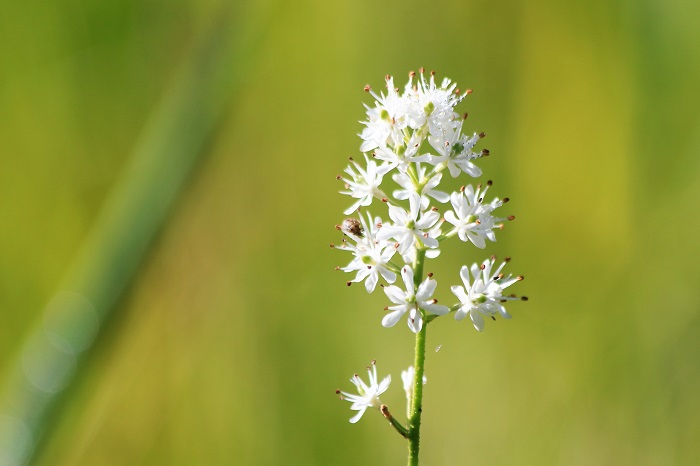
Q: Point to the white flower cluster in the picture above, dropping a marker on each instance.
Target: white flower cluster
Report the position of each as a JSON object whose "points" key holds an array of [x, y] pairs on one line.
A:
{"points": [[415, 135]]}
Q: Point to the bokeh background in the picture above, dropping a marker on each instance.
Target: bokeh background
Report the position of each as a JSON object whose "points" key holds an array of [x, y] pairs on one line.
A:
{"points": [[234, 331]]}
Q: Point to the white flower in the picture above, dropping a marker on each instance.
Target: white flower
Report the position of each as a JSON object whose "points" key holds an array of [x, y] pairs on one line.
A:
{"points": [[364, 184], [407, 301], [455, 151], [426, 186], [368, 395], [472, 218], [407, 377], [388, 119], [483, 296], [407, 226], [437, 101], [372, 256]]}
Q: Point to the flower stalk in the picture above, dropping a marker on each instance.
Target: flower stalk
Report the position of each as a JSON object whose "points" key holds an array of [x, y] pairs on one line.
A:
{"points": [[418, 136]]}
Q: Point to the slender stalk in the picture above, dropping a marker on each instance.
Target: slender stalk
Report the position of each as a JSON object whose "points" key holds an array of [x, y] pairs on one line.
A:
{"points": [[419, 366]]}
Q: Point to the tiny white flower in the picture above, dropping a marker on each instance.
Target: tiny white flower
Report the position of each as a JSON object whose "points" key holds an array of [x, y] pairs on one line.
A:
{"points": [[368, 395], [409, 226], [483, 296], [454, 151], [407, 377], [472, 218], [426, 185], [372, 256], [437, 101], [363, 184], [408, 301], [387, 120]]}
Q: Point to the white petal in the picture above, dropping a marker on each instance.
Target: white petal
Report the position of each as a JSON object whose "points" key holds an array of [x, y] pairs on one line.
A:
{"points": [[371, 282], [415, 321], [395, 294], [357, 416], [477, 320], [407, 275], [390, 319], [387, 274]]}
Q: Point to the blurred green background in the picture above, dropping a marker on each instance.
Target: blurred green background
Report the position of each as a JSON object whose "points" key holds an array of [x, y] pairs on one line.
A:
{"points": [[230, 340]]}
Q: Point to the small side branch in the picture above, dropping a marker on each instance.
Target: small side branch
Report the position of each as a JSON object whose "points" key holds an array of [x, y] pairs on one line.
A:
{"points": [[396, 424]]}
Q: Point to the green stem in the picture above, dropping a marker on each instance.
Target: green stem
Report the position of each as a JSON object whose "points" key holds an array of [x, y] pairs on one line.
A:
{"points": [[419, 366]]}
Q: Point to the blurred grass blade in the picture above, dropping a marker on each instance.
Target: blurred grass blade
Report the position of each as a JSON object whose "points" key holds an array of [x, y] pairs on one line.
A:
{"points": [[175, 137]]}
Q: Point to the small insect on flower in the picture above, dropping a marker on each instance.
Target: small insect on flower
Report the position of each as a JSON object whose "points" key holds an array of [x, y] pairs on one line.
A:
{"points": [[353, 227]]}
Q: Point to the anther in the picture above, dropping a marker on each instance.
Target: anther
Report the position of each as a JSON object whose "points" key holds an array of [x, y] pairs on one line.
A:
{"points": [[430, 274], [511, 217], [461, 189], [523, 298], [520, 278], [338, 177], [387, 77], [337, 227], [432, 73], [421, 70], [493, 257], [482, 267], [494, 319], [348, 283], [384, 199], [505, 199], [482, 135], [507, 259], [489, 183], [367, 88], [337, 391], [396, 245], [351, 159], [499, 276], [434, 209], [468, 91], [332, 245], [457, 91], [485, 152], [464, 117], [411, 74], [337, 267]]}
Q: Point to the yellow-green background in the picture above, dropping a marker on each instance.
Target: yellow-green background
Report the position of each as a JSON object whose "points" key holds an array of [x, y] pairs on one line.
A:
{"points": [[229, 345]]}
